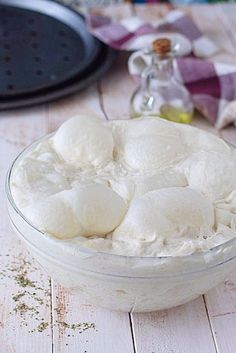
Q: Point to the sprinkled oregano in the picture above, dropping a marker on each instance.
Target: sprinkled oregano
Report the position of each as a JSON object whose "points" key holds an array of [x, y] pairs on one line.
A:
{"points": [[23, 281], [81, 326], [41, 327], [18, 296]]}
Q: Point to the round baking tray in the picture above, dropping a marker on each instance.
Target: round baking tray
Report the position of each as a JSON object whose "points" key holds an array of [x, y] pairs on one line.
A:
{"points": [[103, 63], [42, 44]]}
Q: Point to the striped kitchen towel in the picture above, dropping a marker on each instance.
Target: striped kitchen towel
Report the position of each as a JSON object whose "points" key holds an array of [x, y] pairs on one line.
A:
{"points": [[133, 33], [212, 85]]}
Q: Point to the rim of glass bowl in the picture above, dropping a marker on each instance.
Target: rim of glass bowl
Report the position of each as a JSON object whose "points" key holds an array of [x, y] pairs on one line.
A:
{"points": [[144, 259]]}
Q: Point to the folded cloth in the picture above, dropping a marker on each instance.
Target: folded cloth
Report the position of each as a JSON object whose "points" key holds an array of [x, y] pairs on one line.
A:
{"points": [[133, 33], [212, 85]]}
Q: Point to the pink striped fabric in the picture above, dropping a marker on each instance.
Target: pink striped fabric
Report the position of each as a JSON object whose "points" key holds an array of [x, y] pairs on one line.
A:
{"points": [[119, 36], [212, 85]]}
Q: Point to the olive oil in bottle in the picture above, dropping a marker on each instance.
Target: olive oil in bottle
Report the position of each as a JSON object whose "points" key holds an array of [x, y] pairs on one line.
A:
{"points": [[160, 94], [175, 114]]}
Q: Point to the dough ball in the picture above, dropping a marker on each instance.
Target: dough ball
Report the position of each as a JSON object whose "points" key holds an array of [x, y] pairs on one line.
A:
{"points": [[212, 173], [83, 140], [98, 209], [199, 140], [151, 125], [86, 210], [166, 213], [55, 217], [150, 152], [152, 144]]}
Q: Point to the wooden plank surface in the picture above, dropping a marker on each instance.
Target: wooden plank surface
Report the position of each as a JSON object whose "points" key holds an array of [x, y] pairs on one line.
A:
{"points": [[221, 306], [25, 300], [83, 328], [54, 316], [183, 329]]}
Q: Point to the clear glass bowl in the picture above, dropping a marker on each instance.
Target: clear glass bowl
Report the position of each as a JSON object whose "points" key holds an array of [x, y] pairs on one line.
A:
{"points": [[124, 283]]}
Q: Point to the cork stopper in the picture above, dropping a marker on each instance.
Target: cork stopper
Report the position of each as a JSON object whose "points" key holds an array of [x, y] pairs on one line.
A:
{"points": [[161, 46]]}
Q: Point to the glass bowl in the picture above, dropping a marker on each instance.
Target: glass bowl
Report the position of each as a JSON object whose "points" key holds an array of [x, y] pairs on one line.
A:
{"points": [[124, 283]]}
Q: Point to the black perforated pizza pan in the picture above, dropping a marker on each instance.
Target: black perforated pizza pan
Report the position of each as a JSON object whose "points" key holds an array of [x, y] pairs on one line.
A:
{"points": [[103, 63], [42, 45]]}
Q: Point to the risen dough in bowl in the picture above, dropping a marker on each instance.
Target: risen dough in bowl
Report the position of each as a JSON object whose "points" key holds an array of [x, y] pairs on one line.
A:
{"points": [[213, 173], [151, 144], [197, 140], [84, 141], [128, 188], [136, 215], [166, 213], [129, 180], [92, 209]]}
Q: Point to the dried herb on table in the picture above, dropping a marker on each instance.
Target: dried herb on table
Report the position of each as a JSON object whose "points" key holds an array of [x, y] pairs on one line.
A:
{"points": [[29, 290], [41, 327]]}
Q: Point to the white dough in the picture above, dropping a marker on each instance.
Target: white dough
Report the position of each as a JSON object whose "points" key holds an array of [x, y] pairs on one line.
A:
{"points": [[141, 187], [212, 173], [97, 207], [88, 210], [163, 179], [54, 216], [149, 126], [152, 144], [166, 213], [149, 152], [197, 140], [84, 141]]}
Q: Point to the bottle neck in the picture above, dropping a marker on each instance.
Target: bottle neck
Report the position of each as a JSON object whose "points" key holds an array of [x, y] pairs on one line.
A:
{"points": [[163, 65]]}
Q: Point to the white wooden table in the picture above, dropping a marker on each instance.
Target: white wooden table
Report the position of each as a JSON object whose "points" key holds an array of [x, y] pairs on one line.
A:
{"points": [[38, 315]]}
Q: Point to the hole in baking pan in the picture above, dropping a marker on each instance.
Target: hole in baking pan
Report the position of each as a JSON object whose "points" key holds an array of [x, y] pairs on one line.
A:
{"points": [[10, 87], [7, 59], [31, 21], [62, 33], [39, 72], [37, 59], [33, 33], [6, 46], [8, 72]]}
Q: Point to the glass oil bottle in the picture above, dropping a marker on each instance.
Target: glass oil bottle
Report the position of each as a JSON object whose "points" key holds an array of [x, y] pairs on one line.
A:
{"points": [[160, 94]]}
